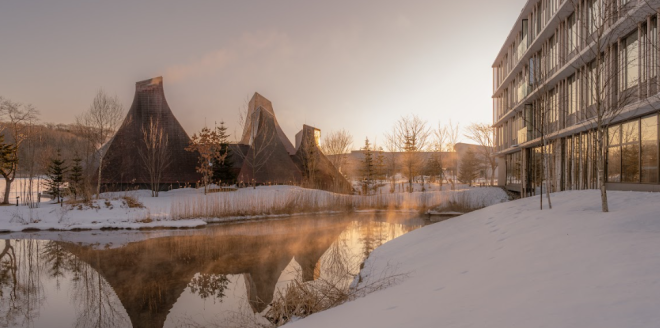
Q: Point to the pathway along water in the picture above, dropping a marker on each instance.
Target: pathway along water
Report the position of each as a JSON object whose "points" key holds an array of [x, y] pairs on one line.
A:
{"points": [[222, 275]]}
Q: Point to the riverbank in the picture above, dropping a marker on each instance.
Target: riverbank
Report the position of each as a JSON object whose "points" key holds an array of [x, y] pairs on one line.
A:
{"points": [[190, 208], [513, 265]]}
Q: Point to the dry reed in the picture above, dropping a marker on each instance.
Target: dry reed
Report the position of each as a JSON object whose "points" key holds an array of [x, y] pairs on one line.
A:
{"points": [[291, 201]]}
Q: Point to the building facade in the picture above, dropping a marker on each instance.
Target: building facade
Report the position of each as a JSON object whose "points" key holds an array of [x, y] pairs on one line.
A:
{"points": [[568, 70]]}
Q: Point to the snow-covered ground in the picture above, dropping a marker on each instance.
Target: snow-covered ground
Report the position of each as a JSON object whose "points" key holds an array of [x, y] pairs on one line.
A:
{"points": [[513, 265], [187, 208]]}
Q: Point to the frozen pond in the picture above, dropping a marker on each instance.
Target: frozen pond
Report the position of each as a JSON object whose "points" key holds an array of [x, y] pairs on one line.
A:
{"points": [[221, 275]]}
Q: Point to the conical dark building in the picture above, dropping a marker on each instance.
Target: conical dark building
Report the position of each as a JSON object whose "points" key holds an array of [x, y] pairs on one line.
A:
{"points": [[122, 166], [317, 170], [259, 102], [268, 158]]}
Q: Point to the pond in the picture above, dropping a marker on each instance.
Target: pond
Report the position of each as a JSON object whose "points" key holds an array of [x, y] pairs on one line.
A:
{"points": [[221, 275]]}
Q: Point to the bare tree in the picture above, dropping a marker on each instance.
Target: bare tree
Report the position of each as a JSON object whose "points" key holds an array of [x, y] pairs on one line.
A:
{"points": [[608, 61], [453, 134], [391, 162], [440, 135], [411, 136], [337, 145], [482, 134], [100, 123], [19, 120], [155, 154]]}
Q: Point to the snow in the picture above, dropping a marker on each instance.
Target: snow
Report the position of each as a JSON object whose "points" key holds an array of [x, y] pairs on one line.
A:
{"points": [[113, 212], [513, 265]]}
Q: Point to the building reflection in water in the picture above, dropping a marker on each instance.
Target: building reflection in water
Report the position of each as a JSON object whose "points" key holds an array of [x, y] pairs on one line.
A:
{"points": [[141, 283]]}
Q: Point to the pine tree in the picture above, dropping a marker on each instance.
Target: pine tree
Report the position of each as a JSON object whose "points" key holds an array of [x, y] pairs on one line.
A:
{"points": [[76, 177], [223, 166], [469, 169], [55, 177], [367, 167], [379, 165]]}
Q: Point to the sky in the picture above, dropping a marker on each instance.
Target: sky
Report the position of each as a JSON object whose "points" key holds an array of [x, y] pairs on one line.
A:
{"points": [[354, 65]]}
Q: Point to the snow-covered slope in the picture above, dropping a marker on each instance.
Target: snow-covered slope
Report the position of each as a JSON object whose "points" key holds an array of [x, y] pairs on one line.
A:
{"points": [[512, 265]]}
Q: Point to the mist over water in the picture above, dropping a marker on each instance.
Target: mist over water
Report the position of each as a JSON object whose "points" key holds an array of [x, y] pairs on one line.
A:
{"points": [[178, 278]]}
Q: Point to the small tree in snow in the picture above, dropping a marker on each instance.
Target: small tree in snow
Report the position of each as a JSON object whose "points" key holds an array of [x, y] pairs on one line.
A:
{"points": [[55, 177], [367, 167], [75, 178], [469, 169], [207, 145]]}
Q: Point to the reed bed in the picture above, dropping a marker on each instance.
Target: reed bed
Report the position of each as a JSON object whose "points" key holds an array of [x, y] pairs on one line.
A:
{"points": [[298, 200], [260, 203]]}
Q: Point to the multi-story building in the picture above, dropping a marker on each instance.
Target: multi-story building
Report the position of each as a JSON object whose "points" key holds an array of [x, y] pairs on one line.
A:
{"points": [[566, 66]]}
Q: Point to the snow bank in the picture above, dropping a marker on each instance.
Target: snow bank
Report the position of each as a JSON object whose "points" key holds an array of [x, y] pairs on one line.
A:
{"points": [[512, 265], [102, 214]]}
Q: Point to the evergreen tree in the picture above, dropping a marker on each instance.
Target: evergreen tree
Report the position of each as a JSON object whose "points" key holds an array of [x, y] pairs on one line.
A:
{"points": [[223, 165], [379, 165], [55, 177], [433, 167], [76, 177], [469, 168], [367, 167]]}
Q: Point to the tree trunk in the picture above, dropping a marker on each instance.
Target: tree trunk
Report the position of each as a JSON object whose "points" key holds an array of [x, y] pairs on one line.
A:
{"points": [[98, 186], [7, 189], [547, 188], [601, 171], [542, 173]]}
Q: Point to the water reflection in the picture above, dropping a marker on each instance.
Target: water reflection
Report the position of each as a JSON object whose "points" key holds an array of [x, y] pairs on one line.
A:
{"points": [[155, 282]]}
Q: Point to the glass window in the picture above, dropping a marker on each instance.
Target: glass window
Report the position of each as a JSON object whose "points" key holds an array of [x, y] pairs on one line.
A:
{"points": [[569, 164], [653, 47], [614, 154], [630, 61], [584, 161], [650, 149], [593, 93], [630, 152], [513, 168], [576, 161], [572, 95], [572, 33]]}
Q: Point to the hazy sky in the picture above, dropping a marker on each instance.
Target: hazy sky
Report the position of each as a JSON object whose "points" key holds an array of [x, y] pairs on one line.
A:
{"points": [[357, 65]]}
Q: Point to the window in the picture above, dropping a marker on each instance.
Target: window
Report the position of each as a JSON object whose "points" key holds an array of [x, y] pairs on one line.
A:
{"points": [[649, 129], [513, 168], [592, 89], [571, 33], [630, 152], [569, 164], [630, 62], [614, 154], [653, 48], [572, 95], [595, 16]]}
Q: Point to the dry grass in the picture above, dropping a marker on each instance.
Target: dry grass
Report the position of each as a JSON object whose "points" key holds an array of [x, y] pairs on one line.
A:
{"points": [[462, 203], [131, 202], [294, 201], [235, 204], [300, 299]]}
